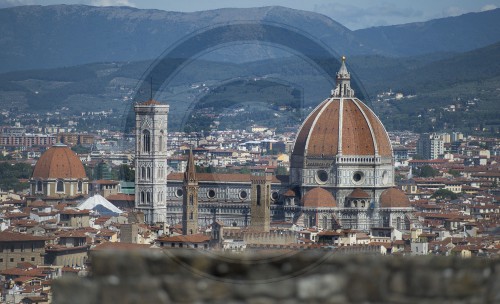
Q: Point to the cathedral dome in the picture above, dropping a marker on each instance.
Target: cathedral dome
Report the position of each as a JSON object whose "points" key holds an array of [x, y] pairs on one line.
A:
{"points": [[342, 125], [59, 162], [319, 198], [393, 197]]}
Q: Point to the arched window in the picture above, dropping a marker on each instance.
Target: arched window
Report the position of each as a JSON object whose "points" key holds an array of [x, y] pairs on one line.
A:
{"points": [[143, 173], [398, 223], [80, 186], [325, 222], [60, 186], [142, 196], [160, 141], [191, 215], [148, 197], [146, 141], [39, 186], [312, 221], [149, 173], [191, 199]]}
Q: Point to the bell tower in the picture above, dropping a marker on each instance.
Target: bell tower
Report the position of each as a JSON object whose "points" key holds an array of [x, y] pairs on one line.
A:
{"points": [[151, 119], [260, 208], [190, 198]]}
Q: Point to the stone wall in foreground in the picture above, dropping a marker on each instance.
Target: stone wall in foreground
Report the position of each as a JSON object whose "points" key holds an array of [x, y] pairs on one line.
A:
{"points": [[301, 277]]}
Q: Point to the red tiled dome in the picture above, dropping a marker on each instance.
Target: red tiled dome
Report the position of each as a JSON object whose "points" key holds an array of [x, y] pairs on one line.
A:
{"points": [[394, 197], [59, 162], [360, 130], [319, 198], [358, 193]]}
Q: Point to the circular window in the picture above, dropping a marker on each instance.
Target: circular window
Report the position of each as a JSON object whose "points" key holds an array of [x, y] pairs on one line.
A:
{"points": [[243, 194], [357, 177], [385, 178], [322, 176], [211, 193], [275, 195], [179, 192]]}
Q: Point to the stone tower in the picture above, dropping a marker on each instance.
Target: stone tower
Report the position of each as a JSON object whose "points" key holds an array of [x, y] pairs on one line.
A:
{"points": [[190, 198], [260, 209], [151, 160]]}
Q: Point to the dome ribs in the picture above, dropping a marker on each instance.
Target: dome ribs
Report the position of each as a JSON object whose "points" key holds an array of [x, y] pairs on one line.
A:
{"points": [[356, 135], [320, 136], [356, 131], [383, 142]]}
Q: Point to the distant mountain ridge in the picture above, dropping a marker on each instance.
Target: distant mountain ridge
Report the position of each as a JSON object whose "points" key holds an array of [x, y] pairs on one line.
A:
{"points": [[65, 35], [35, 37], [457, 34]]}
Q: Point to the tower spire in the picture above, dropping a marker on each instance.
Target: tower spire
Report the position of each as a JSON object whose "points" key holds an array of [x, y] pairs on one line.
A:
{"points": [[343, 86], [190, 174], [190, 198]]}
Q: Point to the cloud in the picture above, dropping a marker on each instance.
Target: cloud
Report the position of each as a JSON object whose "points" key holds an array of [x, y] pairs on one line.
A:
{"points": [[355, 17], [10, 3], [453, 11], [112, 3], [488, 7]]}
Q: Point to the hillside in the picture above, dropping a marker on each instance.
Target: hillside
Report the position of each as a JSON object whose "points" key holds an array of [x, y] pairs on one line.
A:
{"points": [[452, 34], [444, 76], [35, 37], [66, 35], [437, 80]]}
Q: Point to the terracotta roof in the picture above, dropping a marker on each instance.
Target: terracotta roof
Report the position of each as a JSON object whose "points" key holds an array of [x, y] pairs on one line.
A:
{"points": [[358, 193], [218, 177], [59, 162], [35, 272], [393, 197], [121, 197], [361, 130], [192, 238], [38, 204], [6, 236], [289, 193], [318, 198], [120, 246], [73, 211]]}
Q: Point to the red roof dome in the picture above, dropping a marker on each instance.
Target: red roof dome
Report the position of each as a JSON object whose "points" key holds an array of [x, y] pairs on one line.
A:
{"points": [[319, 198], [59, 162], [394, 197], [358, 193], [342, 125]]}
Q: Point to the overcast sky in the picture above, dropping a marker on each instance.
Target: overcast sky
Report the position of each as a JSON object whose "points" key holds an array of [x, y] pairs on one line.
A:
{"points": [[354, 14]]}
